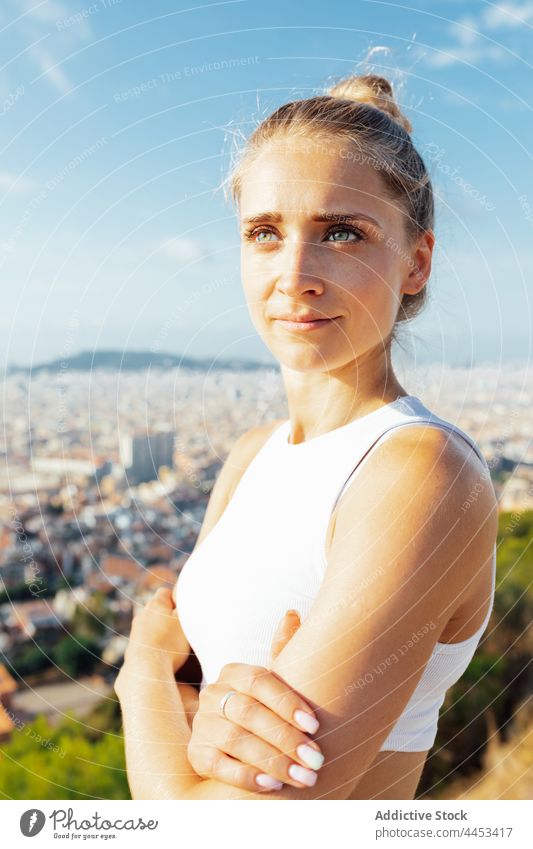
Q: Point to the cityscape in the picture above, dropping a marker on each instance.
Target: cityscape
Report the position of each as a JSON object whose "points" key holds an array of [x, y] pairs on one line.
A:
{"points": [[105, 478]]}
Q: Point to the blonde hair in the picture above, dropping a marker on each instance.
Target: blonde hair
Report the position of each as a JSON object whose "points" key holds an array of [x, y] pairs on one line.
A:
{"points": [[360, 110]]}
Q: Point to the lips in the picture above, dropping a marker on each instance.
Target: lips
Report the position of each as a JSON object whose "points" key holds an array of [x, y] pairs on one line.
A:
{"points": [[300, 325], [308, 316]]}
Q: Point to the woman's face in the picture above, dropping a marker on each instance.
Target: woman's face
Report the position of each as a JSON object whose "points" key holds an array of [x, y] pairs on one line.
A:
{"points": [[350, 272]]}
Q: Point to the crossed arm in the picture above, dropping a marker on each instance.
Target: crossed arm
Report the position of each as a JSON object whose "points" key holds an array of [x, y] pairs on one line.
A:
{"points": [[402, 554]]}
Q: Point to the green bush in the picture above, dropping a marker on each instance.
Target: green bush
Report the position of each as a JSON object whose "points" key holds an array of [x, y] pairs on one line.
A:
{"points": [[76, 655], [42, 761], [31, 659]]}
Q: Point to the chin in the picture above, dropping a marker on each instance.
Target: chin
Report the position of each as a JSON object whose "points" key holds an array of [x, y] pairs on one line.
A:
{"points": [[305, 358]]}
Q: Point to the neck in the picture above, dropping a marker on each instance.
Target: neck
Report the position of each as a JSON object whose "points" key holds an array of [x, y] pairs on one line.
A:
{"points": [[320, 401]]}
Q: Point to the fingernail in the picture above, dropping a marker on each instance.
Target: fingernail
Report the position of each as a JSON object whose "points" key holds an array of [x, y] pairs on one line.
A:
{"points": [[267, 781], [310, 756], [306, 721], [303, 775]]}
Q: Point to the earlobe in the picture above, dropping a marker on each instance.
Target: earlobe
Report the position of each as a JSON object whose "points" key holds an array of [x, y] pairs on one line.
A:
{"points": [[420, 268], [415, 282]]}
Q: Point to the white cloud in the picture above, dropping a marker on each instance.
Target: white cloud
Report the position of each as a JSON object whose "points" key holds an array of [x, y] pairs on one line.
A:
{"points": [[468, 43], [508, 15], [471, 55], [513, 104], [47, 12], [51, 21], [50, 69], [182, 249], [15, 184], [460, 98], [465, 30]]}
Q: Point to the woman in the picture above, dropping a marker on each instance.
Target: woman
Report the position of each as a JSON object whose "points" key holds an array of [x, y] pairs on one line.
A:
{"points": [[390, 576]]}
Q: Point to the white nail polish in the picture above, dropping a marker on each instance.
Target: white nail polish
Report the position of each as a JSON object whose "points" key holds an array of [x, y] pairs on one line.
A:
{"points": [[310, 756], [268, 782], [303, 775], [306, 721]]}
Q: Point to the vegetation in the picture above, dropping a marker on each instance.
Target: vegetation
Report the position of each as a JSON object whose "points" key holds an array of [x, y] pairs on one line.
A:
{"points": [[73, 760], [93, 618], [23, 592], [72, 655]]}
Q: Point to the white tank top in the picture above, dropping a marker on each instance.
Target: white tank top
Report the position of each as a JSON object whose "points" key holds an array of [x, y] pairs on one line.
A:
{"points": [[266, 554]]}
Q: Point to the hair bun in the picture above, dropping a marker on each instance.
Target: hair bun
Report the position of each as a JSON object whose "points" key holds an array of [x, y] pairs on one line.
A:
{"points": [[372, 89]]}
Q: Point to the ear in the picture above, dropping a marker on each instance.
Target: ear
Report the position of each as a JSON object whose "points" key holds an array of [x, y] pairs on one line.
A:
{"points": [[418, 264]]}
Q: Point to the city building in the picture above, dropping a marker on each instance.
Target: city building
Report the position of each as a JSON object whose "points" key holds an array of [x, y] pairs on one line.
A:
{"points": [[142, 455]]}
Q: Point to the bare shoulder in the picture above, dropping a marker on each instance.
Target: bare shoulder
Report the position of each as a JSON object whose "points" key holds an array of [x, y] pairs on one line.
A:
{"points": [[433, 454], [423, 489], [419, 455], [446, 467]]}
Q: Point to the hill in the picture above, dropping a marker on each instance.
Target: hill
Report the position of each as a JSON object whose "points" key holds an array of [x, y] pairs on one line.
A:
{"points": [[135, 361]]}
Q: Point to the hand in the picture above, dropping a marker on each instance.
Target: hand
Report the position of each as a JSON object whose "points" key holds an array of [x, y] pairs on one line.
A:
{"points": [[156, 644], [189, 700], [262, 733]]}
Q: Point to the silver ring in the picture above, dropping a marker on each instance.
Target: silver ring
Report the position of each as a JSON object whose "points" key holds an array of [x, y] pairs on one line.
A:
{"points": [[224, 699]]}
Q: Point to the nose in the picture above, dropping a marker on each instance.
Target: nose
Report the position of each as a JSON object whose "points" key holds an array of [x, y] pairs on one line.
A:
{"points": [[300, 269]]}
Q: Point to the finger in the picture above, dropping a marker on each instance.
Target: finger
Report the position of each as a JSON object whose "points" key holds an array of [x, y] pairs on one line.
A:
{"points": [[239, 744], [257, 736], [162, 598], [286, 629], [266, 687], [190, 698], [222, 767]]}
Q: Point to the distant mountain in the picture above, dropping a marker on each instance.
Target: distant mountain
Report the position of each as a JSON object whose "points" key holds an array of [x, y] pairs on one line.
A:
{"points": [[136, 361]]}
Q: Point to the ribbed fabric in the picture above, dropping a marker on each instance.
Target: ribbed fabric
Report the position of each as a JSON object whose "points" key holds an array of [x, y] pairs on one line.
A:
{"points": [[266, 554]]}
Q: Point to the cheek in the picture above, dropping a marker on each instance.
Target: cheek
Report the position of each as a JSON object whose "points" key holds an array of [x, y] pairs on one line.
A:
{"points": [[250, 270], [254, 281], [255, 295], [371, 300]]}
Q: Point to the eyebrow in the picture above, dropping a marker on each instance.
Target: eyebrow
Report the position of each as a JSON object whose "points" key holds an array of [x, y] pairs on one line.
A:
{"points": [[276, 218]]}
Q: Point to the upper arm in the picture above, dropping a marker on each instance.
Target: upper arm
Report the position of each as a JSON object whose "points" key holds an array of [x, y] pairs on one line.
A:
{"points": [[402, 553], [235, 464]]}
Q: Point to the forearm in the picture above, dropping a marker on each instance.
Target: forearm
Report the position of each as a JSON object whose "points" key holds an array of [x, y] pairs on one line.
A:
{"points": [[212, 789], [156, 734]]}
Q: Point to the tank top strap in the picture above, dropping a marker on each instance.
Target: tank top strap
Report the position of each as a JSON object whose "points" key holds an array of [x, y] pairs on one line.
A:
{"points": [[428, 418]]}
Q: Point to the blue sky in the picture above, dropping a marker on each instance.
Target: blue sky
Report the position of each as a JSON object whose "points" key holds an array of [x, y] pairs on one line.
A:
{"points": [[118, 120]]}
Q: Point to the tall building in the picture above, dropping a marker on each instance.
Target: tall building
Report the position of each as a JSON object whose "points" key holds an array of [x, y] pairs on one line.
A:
{"points": [[142, 455]]}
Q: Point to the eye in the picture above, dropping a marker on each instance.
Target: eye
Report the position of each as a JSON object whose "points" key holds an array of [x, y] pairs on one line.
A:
{"points": [[249, 234], [346, 229], [257, 231]]}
